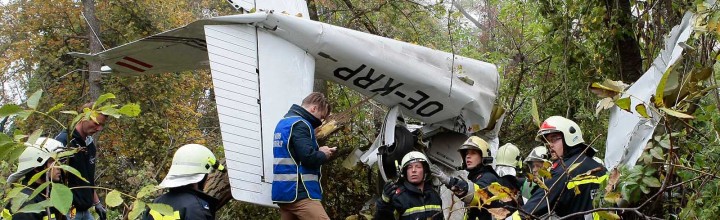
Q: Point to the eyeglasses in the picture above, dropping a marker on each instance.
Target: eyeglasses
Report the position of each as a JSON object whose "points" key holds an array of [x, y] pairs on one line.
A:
{"points": [[553, 138]]}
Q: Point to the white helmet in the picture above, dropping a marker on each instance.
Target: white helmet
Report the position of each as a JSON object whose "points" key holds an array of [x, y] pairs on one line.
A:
{"points": [[539, 153], [34, 155], [572, 135], [190, 164], [508, 155], [415, 156]]}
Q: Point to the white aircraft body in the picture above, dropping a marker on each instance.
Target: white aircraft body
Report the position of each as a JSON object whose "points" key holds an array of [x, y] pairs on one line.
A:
{"points": [[262, 63]]}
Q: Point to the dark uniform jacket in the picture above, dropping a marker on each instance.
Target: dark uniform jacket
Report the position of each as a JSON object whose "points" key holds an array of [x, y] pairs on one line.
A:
{"points": [[188, 204], [83, 161], [410, 203], [482, 177], [562, 197]]}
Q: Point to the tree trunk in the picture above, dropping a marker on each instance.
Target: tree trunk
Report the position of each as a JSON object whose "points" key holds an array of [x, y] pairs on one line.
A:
{"points": [[95, 46], [626, 45]]}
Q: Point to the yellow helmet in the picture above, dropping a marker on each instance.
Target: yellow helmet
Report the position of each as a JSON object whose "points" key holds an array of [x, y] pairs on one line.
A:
{"points": [[508, 155], [476, 143]]}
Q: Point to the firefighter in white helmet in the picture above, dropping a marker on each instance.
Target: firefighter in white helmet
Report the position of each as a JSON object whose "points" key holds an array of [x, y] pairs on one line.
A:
{"points": [[535, 161], [35, 159], [413, 196], [565, 141], [507, 161], [477, 161], [185, 180]]}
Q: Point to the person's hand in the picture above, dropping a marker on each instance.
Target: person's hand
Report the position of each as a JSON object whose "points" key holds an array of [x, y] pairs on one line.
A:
{"points": [[458, 186], [328, 151], [389, 191], [440, 175], [101, 211]]}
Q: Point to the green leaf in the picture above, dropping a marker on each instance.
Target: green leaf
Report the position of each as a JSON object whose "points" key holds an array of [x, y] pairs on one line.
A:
{"points": [[35, 207], [651, 181], [104, 97], [640, 109], [9, 109], [37, 175], [676, 113], [34, 99], [644, 189], [535, 113], [146, 190], [15, 153], [162, 208], [61, 197], [623, 103], [115, 113], [23, 115], [657, 152], [73, 171], [17, 201], [660, 90], [56, 107], [40, 189], [137, 209], [113, 198], [34, 136], [130, 110], [76, 120]]}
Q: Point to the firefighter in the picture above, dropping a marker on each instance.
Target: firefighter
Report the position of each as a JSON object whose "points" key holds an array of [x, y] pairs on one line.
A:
{"points": [[535, 161], [185, 180], [477, 161], [33, 160], [507, 162], [413, 196], [570, 191]]}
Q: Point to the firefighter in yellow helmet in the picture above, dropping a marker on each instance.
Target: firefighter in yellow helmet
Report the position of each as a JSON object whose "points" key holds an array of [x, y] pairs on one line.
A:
{"points": [[33, 160], [413, 196], [477, 161], [507, 161], [565, 141], [185, 180]]}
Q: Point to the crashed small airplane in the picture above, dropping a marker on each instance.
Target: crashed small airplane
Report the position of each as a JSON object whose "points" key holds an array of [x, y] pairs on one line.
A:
{"points": [[262, 63]]}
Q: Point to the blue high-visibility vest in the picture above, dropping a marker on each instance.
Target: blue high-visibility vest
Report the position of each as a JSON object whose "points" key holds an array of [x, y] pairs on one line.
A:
{"points": [[286, 171]]}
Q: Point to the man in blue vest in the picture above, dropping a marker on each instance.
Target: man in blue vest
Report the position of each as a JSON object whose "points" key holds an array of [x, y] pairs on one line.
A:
{"points": [[298, 159]]}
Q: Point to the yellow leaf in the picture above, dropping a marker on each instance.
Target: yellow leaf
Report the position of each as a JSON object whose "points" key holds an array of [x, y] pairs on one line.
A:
{"points": [[608, 215], [612, 197], [676, 113], [544, 173], [623, 103], [577, 190], [535, 114], [640, 109]]}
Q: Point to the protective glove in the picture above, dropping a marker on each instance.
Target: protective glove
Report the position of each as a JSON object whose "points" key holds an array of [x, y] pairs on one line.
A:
{"points": [[101, 211], [458, 186], [389, 191], [440, 175]]}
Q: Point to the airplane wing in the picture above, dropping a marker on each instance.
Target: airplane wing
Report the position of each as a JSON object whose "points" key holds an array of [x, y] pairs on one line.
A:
{"points": [[176, 50], [628, 132]]}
